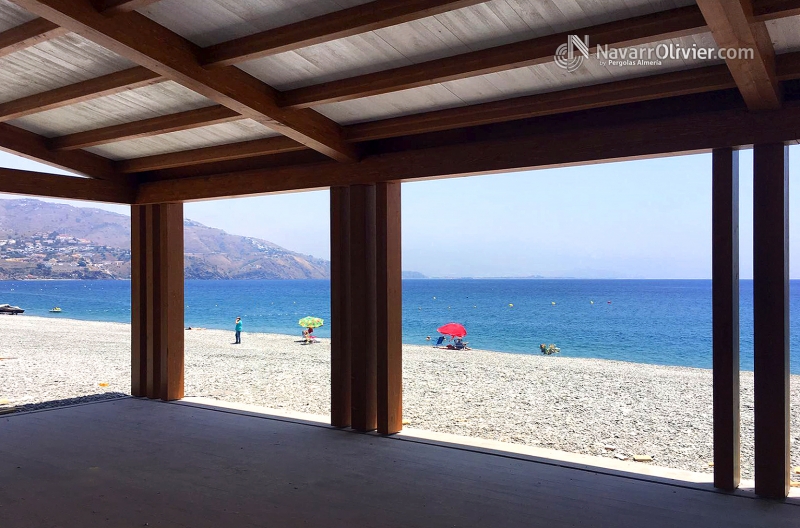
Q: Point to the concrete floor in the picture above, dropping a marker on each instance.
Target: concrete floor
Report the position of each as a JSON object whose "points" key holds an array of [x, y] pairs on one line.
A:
{"points": [[133, 462]]}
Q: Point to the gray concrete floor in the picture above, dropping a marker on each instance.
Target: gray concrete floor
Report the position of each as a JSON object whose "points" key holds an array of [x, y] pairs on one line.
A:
{"points": [[133, 462]]}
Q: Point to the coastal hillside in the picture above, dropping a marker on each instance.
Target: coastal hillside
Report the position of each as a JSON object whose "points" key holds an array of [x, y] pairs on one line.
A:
{"points": [[46, 240]]}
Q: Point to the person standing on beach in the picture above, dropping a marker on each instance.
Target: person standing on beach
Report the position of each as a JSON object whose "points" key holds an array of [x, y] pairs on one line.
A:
{"points": [[238, 331]]}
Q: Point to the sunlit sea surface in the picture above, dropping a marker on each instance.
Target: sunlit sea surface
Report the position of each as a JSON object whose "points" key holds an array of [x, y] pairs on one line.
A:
{"points": [[664, 322]]}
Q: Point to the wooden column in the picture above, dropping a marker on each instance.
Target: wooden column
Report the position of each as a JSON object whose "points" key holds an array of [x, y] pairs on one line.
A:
{"points": [[389, 310], [363, 308], [725, 294], [340, 307], [771, 318], [157, 301], [138, 301]]}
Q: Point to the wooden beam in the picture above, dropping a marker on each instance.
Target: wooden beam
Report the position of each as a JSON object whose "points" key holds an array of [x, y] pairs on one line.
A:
{"points": [[339, 24], [363, 309], [31, 183], [725, 307], [152, 298], [341, 373], [771, 319], [78, 92], [143, 41], [634, 31], [138, 301], [730, 24], [764, 10], [32, 146], [689, 124], [648, 88], [171, 281], [245, 149], [28, 34], [699, 80], [201, 117], [116, 7], [390, 308]]}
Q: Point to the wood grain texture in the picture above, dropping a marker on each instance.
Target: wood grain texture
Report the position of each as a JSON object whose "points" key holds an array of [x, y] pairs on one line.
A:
{"points": [[363, 309], [115, 7], [691, 124], [31, 183], [78, 92], [28, 34], [210, 115], [764, 10], [171, 280], [771, 318], [730, 22], [341, 372], [725, 308], [639, 30], [138, 301], [246, 149], [154, 311], [389, 295], [139, 39], [339, 24], [32, 146]]}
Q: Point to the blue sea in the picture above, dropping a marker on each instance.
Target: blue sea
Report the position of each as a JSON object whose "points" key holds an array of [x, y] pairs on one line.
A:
{"points": [[663, 322]]}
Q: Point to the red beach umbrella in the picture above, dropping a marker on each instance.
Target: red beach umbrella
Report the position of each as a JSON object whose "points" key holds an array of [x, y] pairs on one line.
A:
{"points": [[452, 329]]}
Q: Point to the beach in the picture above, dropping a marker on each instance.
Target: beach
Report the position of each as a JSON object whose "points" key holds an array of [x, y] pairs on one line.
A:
{"points": [[589, 406]]}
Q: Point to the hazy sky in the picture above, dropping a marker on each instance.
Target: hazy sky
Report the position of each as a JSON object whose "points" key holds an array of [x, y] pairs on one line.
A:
{"points": [[636, 219]]}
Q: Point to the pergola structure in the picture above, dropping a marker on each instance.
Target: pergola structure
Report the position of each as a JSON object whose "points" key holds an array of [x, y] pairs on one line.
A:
{"points": [[154, 103]]}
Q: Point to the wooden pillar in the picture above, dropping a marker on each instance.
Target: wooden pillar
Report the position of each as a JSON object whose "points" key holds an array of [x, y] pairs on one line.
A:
{"points": [[340, 307], [771, 318], [138, 302], [389, 310], [725, 294], [363, 308], [157, 299]]}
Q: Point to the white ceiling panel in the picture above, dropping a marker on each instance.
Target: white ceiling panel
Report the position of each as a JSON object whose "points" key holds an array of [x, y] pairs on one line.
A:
{"points": [[11, 15], [209, 136], [53, 64], [130, 105], [507, 84]]}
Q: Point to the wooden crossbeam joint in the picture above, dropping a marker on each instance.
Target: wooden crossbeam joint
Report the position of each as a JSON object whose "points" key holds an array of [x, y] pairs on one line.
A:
{"points": [[733, 27]]}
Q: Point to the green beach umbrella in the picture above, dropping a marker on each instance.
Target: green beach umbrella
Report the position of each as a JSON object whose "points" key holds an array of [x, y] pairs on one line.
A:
{"points": [[311, 322]]}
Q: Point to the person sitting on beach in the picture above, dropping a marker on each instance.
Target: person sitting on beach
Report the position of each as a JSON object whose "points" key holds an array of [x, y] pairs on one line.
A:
{"points": [[309, 335]]}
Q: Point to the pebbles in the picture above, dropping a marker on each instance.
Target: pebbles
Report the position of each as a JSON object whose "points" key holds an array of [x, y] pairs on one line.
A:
{"points": [[596, 407]]}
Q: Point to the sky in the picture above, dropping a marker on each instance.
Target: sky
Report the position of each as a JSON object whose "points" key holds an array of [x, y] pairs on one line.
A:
{"points": [[634, 219]]}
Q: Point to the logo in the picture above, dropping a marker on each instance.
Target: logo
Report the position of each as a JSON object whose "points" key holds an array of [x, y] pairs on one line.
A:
{"points": [[566, 56]]}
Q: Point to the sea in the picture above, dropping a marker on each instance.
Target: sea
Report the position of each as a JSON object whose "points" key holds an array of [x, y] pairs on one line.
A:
{"points": [[660, 322]]}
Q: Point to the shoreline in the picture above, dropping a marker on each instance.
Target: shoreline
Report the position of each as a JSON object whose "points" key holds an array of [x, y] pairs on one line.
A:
{"points": [[608, 408], [534, 353]]}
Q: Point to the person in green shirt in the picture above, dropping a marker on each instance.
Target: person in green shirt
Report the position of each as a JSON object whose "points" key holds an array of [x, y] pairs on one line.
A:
{"points": [[238, 331]]}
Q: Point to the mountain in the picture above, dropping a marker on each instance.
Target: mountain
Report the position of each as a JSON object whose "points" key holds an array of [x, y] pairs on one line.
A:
{"points": [[46, 240]]}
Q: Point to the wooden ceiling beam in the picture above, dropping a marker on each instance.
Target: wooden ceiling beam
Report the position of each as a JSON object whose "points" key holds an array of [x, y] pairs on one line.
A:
{"points": [[640, 30], [764, 10], [674, 84], [158, 49], [42, 184], [116, 7], [210, 115], [339, 24], [17, 141], [28, 34], [245, 149], [79, 92], [732, 25], [700, 80], [649, 129]]}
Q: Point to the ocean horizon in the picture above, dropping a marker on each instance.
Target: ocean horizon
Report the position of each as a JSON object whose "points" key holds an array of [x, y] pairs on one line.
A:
{"points": [[655, 321]]}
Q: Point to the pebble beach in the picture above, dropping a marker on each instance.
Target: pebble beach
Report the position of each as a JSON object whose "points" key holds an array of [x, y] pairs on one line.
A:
{"points": [[596, 407]]}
